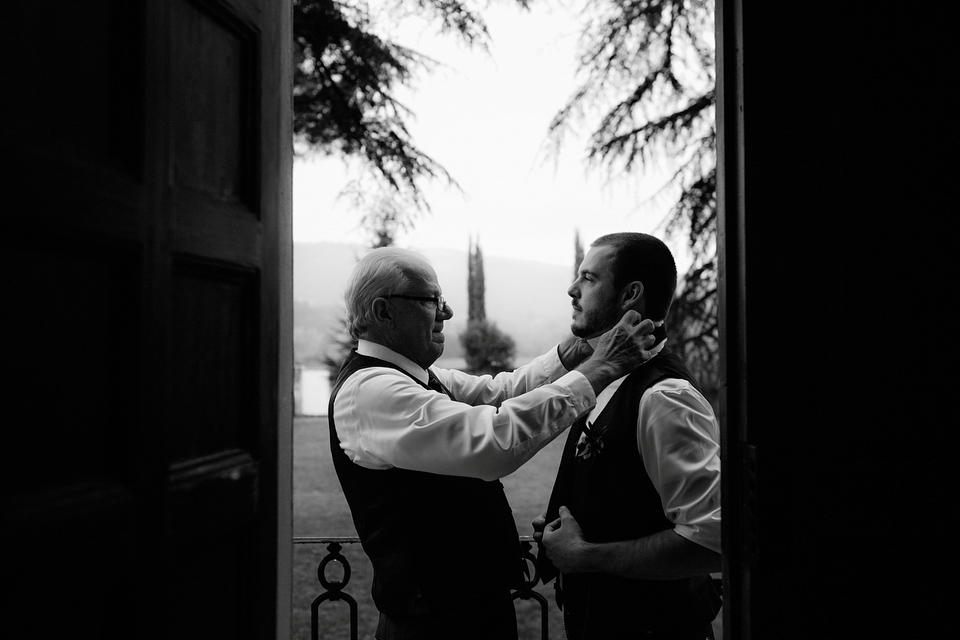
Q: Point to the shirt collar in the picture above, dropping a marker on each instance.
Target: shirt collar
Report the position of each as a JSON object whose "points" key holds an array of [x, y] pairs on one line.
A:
{"points": [[655, 349], [376, 350], [604, 396]]}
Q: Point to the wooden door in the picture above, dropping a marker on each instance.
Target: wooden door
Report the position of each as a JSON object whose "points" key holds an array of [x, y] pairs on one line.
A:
{"points": [[146, 249]]}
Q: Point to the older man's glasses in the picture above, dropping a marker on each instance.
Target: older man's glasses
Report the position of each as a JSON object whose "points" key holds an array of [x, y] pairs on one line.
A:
{"points": [[437, 300]]}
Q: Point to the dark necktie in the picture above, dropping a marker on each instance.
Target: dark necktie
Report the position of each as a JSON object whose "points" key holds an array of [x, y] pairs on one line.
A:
{"points": [[434, 383]]}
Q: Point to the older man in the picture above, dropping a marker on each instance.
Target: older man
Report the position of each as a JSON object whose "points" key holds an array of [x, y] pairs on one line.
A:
{"points": [[419, 450]]}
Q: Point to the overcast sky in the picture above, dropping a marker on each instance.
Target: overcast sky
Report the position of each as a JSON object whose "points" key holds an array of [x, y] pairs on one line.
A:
{"points": [[485, 118]]}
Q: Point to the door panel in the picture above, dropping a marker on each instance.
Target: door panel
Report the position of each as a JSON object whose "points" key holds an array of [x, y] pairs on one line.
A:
{"points": [[214, 353], [215, 91], [143, 258]]}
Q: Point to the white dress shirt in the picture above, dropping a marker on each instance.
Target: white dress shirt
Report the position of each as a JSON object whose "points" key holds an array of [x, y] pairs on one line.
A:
{"points": [[678, 438], [384, 419]]}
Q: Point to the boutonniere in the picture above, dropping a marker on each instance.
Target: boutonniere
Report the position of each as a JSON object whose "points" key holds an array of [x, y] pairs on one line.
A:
{"points": [[591, 442]]}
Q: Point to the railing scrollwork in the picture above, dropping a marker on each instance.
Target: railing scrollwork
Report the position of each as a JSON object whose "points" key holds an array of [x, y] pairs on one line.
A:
{"points": [[334, 589], [532, 578]]}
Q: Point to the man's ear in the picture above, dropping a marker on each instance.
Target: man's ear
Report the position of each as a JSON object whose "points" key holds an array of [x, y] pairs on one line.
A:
{"points": [[381, 313], [631, 295]]}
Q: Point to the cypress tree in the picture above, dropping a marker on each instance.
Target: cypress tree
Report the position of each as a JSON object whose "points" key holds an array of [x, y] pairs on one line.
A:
{"points": [[577, 253], [476, 289]]}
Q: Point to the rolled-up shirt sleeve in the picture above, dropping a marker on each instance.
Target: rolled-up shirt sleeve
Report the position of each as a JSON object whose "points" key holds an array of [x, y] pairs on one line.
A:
{"points": [[385, 419], [679, 440]]}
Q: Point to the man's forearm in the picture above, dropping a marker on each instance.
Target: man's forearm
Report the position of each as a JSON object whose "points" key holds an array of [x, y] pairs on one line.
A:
{"points": [[661, 556], [599, 374]]}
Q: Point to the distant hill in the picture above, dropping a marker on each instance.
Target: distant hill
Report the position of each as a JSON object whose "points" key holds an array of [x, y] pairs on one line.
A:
{"points": [[526, 299]]}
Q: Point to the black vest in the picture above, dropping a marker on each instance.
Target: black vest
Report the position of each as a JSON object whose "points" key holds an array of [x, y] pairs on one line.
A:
{"points": [[612, 498], [430, 537]]}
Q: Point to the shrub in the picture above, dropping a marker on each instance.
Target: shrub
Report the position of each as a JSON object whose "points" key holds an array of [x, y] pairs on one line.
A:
{"points": [[486, 348]]}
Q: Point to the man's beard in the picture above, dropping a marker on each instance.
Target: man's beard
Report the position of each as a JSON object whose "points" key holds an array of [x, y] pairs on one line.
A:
{"points": [[595, 322]]}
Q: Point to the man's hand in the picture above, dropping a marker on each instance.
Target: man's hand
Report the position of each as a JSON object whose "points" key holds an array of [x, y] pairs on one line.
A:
{"points": [[625, 345], [573, 351], [664, 555], [538, 524], [620, 350], [563, 540]]}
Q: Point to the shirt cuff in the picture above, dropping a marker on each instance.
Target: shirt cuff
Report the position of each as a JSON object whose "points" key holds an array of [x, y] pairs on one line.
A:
{"points": [[581, 391], [548, 366], [552, 363]]}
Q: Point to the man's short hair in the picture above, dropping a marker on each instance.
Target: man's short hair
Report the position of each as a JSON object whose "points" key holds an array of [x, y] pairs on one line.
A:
{"points": [[640, 256], [381, 272]]}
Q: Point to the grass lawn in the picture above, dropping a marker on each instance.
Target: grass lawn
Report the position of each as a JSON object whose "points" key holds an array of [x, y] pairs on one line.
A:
{"points": [[320, 509]]}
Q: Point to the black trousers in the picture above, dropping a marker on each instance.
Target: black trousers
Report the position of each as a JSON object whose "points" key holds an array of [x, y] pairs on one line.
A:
{"points": [[490, 617]]}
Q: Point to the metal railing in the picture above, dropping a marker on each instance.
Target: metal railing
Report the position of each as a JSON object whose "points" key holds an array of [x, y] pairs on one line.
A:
{"points": [[334, 589]]}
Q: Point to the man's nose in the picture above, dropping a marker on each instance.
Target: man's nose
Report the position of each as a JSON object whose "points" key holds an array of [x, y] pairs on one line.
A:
{"points": [[573, 291], [446, 312]]}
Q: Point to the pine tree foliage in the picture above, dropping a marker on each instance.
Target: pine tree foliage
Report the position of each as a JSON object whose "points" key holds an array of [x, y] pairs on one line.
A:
{"points": [[345, 78], [694, 329], [647, 67], [384, 216]]}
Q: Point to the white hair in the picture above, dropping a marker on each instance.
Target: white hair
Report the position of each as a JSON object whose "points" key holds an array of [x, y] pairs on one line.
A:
{"points": [[382, 272]]}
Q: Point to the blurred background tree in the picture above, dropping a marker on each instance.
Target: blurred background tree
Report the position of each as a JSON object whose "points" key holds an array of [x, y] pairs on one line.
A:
{"points": [[647, 90], [577, 254], [486, 349], [476, 283]]}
